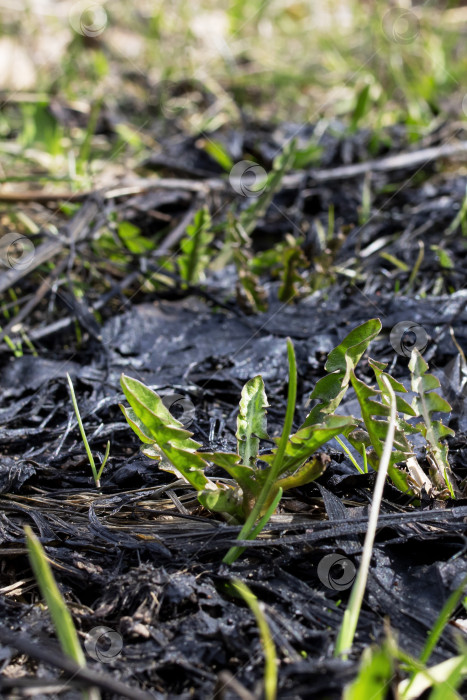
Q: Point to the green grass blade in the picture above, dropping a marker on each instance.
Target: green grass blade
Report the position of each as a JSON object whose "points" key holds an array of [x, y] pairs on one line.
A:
{"points": [[81, 430], [59, 612], [104, 461], [267, 642], [255, 532], [442, 620], [349, 623], [349, 455]]}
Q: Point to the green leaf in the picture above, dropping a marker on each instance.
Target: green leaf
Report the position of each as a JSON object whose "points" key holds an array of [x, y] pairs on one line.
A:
{"points": [[218, 153], [267, 641], [374, 676], [282, 163], [353, 346], [361, 106], [425, 404], [371, 405], [58, 610], [131, 236], [251, 421], [245, 476], [156, 421], [293, 257], [136, 424], [330, 389], [223, 499], [195, 248], [305, 474], [306, 441], [251, 293], [252, 528]]}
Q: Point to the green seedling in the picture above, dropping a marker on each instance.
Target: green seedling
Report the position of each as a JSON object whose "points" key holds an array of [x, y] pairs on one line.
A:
{"points": [[267, 642], [61, 618], [282, 164], [259, 479], [374, 676], [195, 248], [254, 489], [377, 664], [96, 474], [238, 244], [293, 259]]}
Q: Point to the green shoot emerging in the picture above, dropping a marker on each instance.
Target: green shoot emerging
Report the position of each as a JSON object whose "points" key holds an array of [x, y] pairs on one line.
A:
{"points": [[96, 474], [61, 618], [195, 248], [267, 642]]}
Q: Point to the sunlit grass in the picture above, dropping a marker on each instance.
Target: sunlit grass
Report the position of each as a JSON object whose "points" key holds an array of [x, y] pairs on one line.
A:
{"points": [[278, 60]]}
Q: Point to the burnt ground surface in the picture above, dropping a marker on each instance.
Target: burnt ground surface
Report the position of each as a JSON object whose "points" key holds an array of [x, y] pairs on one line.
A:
{"points": [[140, 556]]}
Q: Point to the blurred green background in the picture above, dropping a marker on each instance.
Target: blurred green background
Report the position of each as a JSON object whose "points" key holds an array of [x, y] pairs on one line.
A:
{"points": [[72, 71]]}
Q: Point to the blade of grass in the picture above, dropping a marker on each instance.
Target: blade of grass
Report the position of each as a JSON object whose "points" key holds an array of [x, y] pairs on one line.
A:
{"points": [[273, 472], [437, 630], [83, 435], [59, 612], [270, 658], [349, 623], [255, 532], [349, 455], [442, 620], [104, 461]]}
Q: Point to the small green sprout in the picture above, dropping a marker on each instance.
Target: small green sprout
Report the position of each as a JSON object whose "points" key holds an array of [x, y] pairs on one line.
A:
{"points": [[267, 642], [96, 474], [61, 617]]}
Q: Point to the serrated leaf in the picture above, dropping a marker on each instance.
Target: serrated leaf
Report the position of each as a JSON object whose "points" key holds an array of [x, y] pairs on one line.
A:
{"points": [[251, 421], [425, 404], [353, 345], [136, 424], [331, 389], [371, 405], [156, 421]]}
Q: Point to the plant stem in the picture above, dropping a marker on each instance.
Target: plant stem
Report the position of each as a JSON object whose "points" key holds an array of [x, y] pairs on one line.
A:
{"points": [[349, 623]]}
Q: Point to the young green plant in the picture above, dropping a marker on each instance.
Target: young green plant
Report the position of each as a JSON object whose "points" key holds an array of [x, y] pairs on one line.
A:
{"points": [[256, 488], [259, 479], [96, 474]]}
